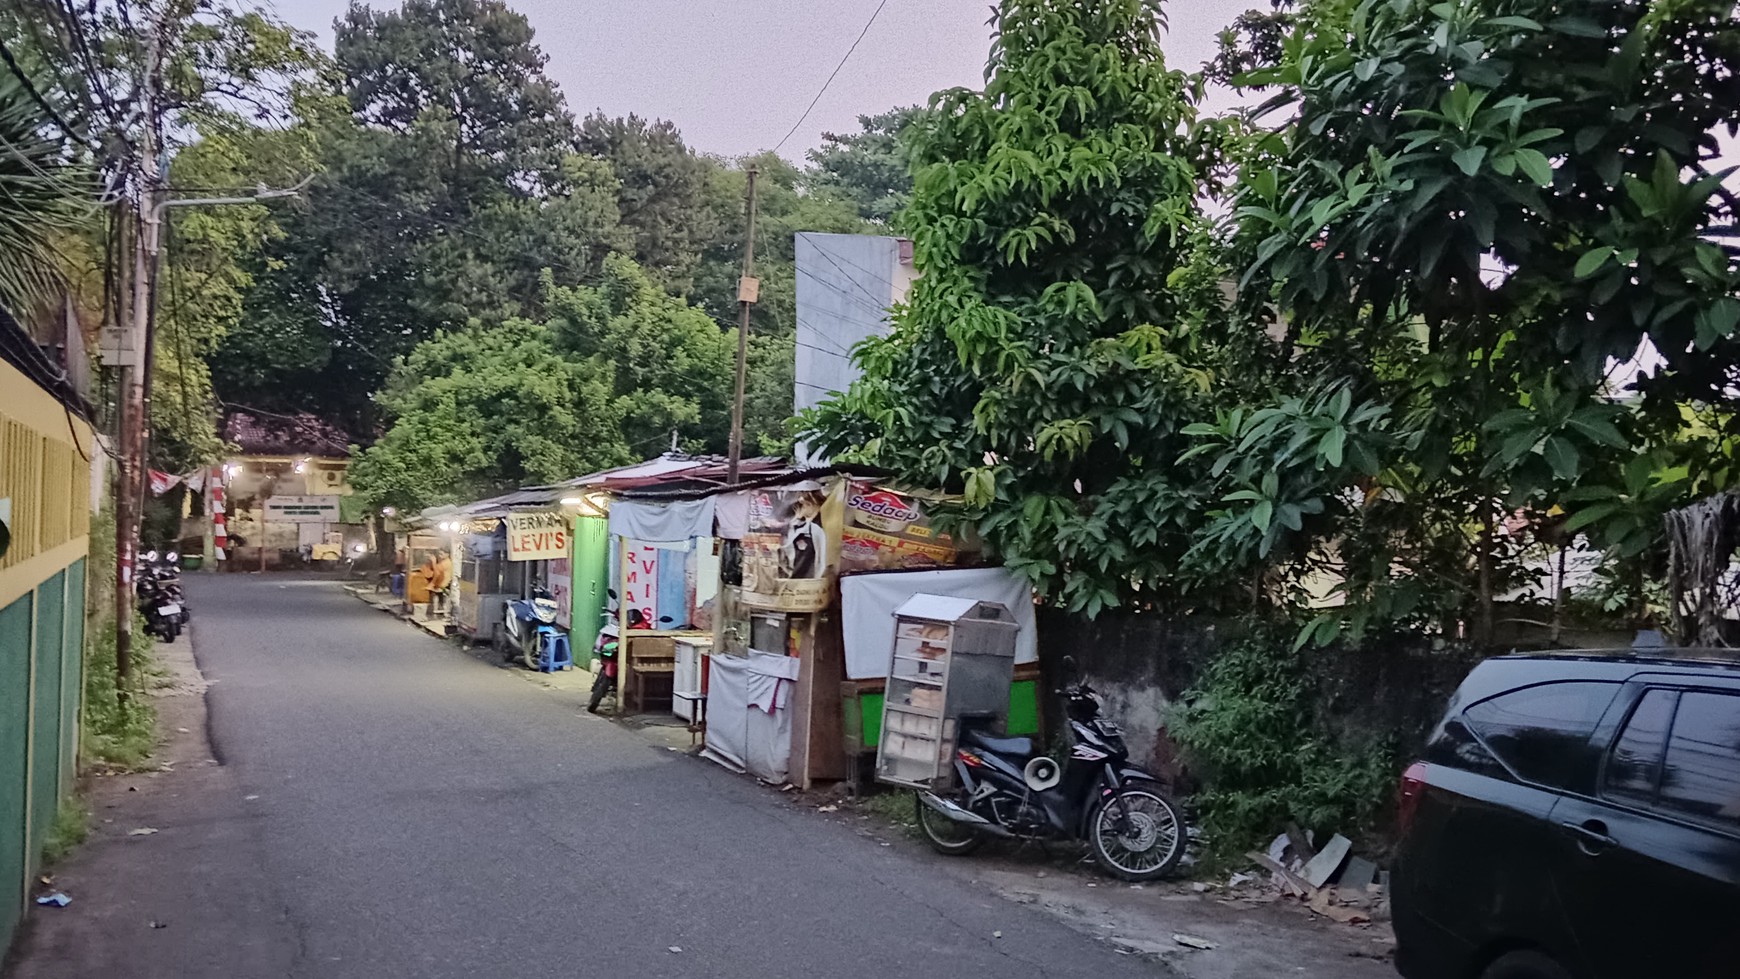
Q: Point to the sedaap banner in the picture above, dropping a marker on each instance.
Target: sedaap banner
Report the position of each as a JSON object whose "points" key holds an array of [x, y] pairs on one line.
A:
{"points": [[537, 536]]}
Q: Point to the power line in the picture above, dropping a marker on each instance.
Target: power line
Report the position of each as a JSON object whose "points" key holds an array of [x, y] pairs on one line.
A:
{"points": [[836, 71]]}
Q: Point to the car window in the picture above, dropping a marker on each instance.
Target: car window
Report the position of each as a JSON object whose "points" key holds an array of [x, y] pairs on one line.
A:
{"points": [[1634, 768], [1701, 770], [1542, 732]]}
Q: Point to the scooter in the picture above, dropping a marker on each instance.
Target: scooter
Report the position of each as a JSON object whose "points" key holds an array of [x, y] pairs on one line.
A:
{"points": [[157, 591], [527, 624], [1005, 787]]}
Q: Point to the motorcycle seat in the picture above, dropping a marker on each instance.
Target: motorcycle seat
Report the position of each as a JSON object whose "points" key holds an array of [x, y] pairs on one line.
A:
{"points": [[1019, 747]]}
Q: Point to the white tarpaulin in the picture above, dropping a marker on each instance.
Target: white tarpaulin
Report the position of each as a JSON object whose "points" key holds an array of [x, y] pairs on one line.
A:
{"points": [[749, 713], [665, 522], [868, 603]]}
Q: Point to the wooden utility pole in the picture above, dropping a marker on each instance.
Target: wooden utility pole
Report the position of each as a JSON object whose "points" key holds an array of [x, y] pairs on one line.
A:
{"points": [[748, 291]]}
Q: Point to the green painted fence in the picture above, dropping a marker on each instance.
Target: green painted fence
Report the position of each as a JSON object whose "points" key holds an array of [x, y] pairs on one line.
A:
{"points": [[41, 679]]}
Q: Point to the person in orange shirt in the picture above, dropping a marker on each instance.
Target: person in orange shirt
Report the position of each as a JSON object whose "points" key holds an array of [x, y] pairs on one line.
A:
{"points": [[441, 578]]}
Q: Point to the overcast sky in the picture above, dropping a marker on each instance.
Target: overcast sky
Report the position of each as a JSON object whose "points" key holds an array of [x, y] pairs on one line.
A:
{"points": [[735, 75]]}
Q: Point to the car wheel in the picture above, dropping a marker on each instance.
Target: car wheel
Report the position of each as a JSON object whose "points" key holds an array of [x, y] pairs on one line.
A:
{"points": [[1524, 965]]}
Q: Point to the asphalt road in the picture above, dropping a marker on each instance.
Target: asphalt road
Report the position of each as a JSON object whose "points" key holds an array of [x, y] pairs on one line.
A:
{"points": [[383, 805]]}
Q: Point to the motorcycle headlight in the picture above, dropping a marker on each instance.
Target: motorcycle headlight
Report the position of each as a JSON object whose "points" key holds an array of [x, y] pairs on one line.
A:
{"points": [[172, 557], [149, 556]]}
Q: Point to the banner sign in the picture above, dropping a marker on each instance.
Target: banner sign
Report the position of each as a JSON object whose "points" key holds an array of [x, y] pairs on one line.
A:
{"points": [[640, 584], [302, 509], [884, 530], [537, 536]]}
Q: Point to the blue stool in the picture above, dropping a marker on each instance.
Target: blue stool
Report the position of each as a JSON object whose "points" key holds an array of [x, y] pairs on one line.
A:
{"points": [[555, 654]]}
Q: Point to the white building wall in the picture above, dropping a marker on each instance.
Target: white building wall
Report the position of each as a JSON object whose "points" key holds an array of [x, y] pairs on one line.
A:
{"points": [[845, 284]]}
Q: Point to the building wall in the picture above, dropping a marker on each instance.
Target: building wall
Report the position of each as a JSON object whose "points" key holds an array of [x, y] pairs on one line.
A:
{"points": [[45, 483], [845, 284]]}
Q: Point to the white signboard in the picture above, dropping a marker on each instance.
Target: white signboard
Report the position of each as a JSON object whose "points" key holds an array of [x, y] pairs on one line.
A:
{"points": [[537, 536], [302, 509]]}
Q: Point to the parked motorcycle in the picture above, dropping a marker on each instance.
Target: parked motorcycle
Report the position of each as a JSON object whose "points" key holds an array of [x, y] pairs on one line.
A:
{"points": [[1005, 787], [526, 623], [604, 651], [157, 591]]}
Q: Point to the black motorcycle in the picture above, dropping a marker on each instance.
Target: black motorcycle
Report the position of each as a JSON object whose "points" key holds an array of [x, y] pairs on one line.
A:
{"points": [[157, 588], [1005, 787]]}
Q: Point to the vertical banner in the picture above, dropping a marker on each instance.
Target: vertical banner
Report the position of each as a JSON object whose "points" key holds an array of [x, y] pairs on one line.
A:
{"points": [[640, 581]]}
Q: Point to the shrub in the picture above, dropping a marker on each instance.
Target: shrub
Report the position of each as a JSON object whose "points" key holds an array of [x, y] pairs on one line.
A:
{"points": [[1251, 732]]}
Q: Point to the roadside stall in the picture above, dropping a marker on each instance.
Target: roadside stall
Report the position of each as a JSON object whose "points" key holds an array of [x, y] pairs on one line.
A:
{"points": [[664, 575], [483, 586]]}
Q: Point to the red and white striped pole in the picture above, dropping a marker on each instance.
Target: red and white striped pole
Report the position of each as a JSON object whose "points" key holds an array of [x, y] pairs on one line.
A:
{"points": [[220, 541]]}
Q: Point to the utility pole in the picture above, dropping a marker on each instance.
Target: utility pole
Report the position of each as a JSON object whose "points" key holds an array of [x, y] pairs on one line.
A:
{"points": [[134, 376], [748, 291]]}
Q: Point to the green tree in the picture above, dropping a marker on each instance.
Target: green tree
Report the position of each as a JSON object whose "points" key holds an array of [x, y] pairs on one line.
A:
{"points": [[445, 193], [662, 192], [474, 65], [867, 168], [479, 411], [671, 367], [1476, 210], [1042, 366]]}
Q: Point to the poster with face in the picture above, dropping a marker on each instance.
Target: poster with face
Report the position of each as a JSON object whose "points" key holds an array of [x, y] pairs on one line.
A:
{"points": [[788, 558]]}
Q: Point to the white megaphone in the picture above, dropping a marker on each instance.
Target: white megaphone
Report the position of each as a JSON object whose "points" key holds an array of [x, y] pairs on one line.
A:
{"points": [[1042, 773]]}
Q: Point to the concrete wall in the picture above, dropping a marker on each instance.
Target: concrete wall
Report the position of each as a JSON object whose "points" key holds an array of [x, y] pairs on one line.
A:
{"points": [[845, 284], [1140, 664]]}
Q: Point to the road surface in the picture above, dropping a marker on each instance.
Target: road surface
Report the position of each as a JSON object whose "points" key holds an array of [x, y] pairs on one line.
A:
{"points": [[382, 805]]}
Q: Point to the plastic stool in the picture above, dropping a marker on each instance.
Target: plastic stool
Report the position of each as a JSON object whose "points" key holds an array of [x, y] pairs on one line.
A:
{"points": [[555, 655]]}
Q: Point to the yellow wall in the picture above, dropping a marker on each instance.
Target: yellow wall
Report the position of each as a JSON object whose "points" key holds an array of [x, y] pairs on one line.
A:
{"points": [[44, 474]]}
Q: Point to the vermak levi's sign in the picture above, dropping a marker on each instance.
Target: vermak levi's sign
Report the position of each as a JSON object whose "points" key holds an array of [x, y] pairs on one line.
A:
{"points": [[539, 536]]}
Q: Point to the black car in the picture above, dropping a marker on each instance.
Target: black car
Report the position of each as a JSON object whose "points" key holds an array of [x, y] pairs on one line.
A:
{"points": [[1576, 816]]}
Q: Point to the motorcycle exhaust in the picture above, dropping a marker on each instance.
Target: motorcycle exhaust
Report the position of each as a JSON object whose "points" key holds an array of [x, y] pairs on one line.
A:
{"points": [[960, 815]]}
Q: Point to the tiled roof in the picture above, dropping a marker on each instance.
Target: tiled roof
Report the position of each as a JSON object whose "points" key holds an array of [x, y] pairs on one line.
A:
{"points": [[301, 434]]}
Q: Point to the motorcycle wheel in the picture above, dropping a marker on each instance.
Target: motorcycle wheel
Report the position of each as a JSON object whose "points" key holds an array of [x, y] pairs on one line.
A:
{"points": [[944, 835], [601, 686], [529, 653], [1141, 840]]}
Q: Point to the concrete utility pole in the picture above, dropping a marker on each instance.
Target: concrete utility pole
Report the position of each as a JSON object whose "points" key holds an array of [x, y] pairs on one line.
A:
{"points": [[133, 377], [748, 291]]}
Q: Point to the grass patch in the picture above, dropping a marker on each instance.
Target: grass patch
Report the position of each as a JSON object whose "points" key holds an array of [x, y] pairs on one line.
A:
{"points": [[893, 808], [122, 735], [71, 826]]}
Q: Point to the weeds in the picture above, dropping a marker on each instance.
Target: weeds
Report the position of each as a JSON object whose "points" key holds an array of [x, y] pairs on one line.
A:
{"points": [[1250, 728], [71, 825], [894, 808], [117, 733]]}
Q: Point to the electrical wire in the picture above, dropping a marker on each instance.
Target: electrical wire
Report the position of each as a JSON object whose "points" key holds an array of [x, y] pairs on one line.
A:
{"points": [[832, 75]]}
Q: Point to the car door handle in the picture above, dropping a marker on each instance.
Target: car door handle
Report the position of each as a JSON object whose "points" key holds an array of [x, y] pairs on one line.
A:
{"points": [[1591, 835]]}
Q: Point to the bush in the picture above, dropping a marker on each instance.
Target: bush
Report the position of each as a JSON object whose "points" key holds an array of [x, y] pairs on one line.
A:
{"points": [[1250, 729]]}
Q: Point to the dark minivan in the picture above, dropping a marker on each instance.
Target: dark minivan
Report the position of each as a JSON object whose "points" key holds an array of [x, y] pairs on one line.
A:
{"points": [[1576, 816]]}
